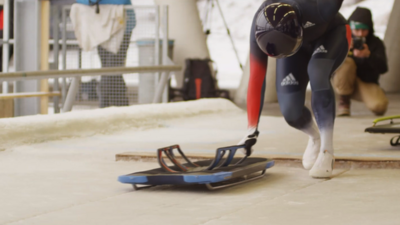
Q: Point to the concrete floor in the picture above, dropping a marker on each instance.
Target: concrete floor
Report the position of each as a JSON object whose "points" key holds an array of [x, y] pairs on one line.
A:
{"points": [[74, 181], [42, 184]]}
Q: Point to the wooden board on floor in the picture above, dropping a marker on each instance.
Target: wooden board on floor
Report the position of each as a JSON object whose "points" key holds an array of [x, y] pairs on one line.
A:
{"points": [[341, 162]]}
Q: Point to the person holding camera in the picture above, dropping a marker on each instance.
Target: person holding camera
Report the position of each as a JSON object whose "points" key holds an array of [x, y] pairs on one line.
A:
{"points": [[358, 76]]}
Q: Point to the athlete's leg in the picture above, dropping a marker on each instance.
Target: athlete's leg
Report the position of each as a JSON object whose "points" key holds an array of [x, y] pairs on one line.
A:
{"points": [[330, 52], [291, 85]]}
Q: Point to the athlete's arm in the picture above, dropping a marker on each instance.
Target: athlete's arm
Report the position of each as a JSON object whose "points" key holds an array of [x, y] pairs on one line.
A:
{"points": [[255, 91]]}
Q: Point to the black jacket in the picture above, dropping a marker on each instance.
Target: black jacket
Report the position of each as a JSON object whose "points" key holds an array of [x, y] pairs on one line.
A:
{"points": [[369, 69]]}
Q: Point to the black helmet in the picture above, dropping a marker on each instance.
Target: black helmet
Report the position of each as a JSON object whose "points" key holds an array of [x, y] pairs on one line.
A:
{"points": [[278, 31]]}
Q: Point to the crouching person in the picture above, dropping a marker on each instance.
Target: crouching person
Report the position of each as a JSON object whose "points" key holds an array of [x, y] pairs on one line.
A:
{"points": [[358, 76]]}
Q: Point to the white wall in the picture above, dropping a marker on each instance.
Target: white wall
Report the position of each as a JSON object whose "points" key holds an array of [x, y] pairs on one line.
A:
{"points": [[186, 29], [390, 82]]}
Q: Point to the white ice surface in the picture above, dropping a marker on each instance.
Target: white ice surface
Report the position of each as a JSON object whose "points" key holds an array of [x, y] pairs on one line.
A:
{"points": [[74, 181], [39, 128]]}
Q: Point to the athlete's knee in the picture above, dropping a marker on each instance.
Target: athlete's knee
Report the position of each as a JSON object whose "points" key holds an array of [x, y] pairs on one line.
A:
{"points": [[292, 108], [298, 118], [291, 114], [379, 108]]}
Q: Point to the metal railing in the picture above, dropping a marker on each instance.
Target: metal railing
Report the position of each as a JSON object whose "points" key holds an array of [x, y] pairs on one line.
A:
{"points": [[16, 76], [70, 96], [61, 58]]}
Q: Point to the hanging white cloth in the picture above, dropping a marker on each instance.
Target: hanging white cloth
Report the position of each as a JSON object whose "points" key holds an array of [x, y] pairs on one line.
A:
{"points": [[105, 28]]}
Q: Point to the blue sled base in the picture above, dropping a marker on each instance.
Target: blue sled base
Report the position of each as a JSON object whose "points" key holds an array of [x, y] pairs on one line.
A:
{"points": [[216, 178]]}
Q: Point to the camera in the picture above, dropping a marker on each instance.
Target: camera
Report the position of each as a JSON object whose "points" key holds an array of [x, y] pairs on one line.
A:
{"points": [[358, 43]]}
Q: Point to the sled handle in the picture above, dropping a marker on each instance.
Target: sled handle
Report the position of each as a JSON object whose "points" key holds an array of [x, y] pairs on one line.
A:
{"points": [[169, 152], [220, 154]]}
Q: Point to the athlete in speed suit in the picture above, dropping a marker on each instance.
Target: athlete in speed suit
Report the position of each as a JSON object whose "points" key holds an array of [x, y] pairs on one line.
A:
{"points": [[310, 40]]}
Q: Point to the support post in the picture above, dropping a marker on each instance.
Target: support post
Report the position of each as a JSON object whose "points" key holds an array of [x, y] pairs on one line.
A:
{"points": [[161, 92], [44, 52], [165, 45], [6, 106], [56, 51], [64, 53], [27, 53], [6, 41], [70, 99]]}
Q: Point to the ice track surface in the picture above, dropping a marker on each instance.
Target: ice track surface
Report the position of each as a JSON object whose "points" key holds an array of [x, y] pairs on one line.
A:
{"points": [[71, 178]]}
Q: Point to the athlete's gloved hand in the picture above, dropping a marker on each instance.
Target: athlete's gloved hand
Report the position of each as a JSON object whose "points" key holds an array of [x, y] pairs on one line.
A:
{"points": [[249, 140]]}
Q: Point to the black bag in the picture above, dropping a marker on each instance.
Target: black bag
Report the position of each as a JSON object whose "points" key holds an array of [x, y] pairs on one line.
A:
{"points": [[199, 81]]}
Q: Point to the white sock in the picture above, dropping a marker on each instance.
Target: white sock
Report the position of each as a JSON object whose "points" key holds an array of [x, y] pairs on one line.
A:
{"points": [[327, 141], [313, 146], [312, 131]]}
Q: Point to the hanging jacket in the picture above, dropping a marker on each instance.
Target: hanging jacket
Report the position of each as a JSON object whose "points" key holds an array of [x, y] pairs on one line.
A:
{"points": [[103, 2], [92, 29], [369, 69]]}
